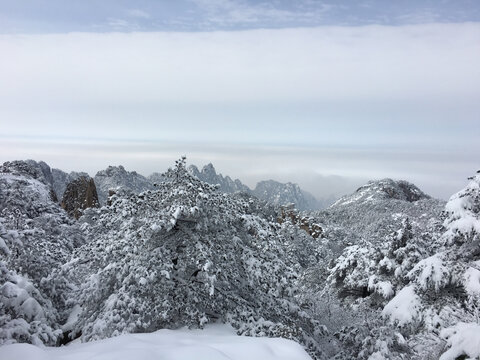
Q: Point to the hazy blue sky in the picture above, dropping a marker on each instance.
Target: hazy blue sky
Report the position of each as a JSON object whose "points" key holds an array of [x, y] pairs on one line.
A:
{"points": [[39, 16], [302, 91]]}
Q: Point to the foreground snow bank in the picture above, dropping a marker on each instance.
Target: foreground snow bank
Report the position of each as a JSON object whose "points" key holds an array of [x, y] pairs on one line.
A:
{"points": [[216, 342]]}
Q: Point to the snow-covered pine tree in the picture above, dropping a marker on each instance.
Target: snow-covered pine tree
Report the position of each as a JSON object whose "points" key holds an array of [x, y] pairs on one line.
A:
{"points": [[184, 255], [36, 236]]}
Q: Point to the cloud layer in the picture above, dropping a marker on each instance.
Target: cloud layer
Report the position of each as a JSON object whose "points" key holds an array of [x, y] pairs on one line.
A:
{"points": [[390, 101]]}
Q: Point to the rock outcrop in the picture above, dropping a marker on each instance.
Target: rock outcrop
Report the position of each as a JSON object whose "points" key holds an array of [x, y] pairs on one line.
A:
{"points": [[79, 195], [60, 180]]}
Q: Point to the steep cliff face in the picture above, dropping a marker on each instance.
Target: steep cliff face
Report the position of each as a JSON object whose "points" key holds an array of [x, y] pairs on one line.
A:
{"points": [[60, 180], [79, 195]]}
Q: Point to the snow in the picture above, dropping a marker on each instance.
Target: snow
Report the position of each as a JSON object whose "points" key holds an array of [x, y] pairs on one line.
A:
{"points": [[472, 280], [72, 318], [215, 342], [463, 218], [384, 288], [404, 308], [463, 339], [31, 309], [431, 271], [32, 186], [12, 294], [3, 247]]}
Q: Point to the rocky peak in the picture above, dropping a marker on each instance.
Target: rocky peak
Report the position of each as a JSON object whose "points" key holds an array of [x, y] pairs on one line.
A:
{"points": [[36, 170], [60, 180], [114, 177], [385, 189], [39, 171], [210, 176], [209, 170], [192, 169], [156, 178], [79, 195], [394, 189], [284, 193], [112, 171]]}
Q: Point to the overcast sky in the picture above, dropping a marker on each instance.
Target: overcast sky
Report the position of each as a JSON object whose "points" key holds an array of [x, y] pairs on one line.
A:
{"points": [[326, 94]]}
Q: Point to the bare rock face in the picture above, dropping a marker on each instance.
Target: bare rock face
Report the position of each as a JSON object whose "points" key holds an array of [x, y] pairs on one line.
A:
{"points": [[79, 195]]}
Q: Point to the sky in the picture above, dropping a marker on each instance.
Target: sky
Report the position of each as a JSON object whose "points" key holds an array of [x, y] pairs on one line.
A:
{"points": [[326, 94]]}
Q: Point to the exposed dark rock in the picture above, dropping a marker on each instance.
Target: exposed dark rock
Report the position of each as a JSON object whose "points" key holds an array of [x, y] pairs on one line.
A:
{"points": [[60, 180], [79, 195], [304, 222]]}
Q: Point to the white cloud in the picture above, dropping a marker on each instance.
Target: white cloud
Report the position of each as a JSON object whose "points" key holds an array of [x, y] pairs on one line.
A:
{"points": [[425, 61], [347, 88], [229, 12], [321, 170], [138, 13], [118, 24]]}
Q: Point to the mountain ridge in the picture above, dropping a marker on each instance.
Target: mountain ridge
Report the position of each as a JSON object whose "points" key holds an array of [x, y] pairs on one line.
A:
{"points": [[388, 272]]}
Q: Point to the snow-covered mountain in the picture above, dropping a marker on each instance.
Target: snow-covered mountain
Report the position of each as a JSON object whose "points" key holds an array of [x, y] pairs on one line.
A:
{"points": [[377, 208], [399, 275], [383, 189], [281, 194], [185, 254], [36, 236], [385, 273], [209, 175], [116, 177], [271, 191]]}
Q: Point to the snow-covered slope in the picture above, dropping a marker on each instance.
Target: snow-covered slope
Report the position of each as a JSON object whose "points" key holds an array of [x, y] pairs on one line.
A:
{"points": [[186, 254], [377, 209], [36, 236], [115, 177], [385, 273], [385, 189], [281, 194], [212, 343], [407, 293]]}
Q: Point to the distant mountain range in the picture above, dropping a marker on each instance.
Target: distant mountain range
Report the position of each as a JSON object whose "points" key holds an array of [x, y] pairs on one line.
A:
{"points": [[115, 177], [272, 191]]}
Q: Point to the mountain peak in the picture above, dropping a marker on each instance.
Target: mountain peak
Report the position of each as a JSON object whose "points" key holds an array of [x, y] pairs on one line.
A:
{"points": [[384, 189], [117, 176], [209, 170], [285, 193]]}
